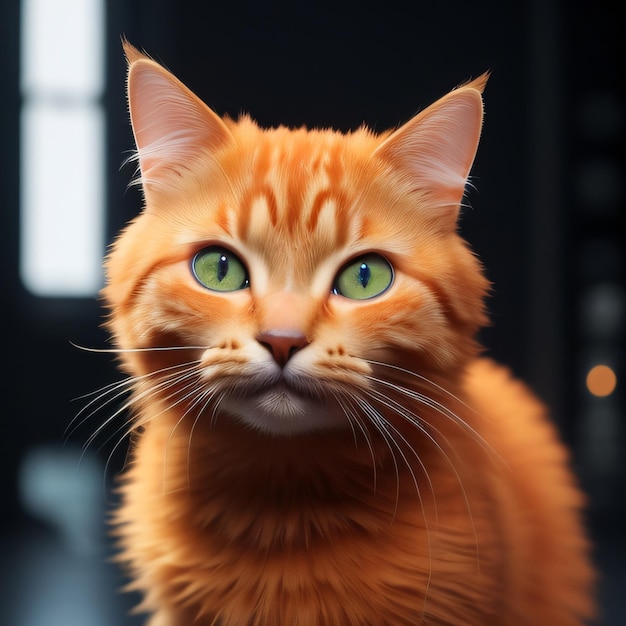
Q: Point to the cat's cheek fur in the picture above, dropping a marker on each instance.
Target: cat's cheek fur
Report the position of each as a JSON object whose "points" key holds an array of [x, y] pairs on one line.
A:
{"points": [[407, 318]]}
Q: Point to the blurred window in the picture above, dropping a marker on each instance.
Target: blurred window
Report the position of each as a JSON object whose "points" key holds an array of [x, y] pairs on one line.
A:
{"points": [[62, 147]]}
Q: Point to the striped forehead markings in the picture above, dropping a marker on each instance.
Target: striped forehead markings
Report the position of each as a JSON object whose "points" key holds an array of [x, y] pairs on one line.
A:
{"points": [[326, 211], [292, 186]]}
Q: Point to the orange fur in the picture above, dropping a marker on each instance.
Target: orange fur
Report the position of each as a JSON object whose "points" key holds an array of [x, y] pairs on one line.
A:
{"points": [[378, 472]]}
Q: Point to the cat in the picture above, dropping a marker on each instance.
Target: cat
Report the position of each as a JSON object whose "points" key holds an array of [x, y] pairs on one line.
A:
{"points": [[316, 438]]}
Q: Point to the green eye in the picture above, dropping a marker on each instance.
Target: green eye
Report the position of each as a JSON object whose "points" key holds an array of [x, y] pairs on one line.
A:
{"points": [[220, 270], [364, 277]]}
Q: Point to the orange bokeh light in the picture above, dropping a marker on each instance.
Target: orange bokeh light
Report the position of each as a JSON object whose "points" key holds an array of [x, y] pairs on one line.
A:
{"points": [[601, 381]]}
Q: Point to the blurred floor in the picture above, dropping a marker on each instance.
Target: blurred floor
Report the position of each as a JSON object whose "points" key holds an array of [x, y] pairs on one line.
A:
{"points": [[610, 540], [56, 567]]}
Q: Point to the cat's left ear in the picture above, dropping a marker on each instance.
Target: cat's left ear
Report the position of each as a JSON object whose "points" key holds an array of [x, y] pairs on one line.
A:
{"points": [[434, 151]]}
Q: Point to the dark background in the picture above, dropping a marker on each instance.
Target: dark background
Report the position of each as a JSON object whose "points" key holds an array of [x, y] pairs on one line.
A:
{"points": [[547, 220]]}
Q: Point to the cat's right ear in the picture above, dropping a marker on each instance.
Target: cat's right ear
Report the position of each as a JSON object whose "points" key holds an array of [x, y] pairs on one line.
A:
{"points": [[434, 151], [172, 126]]}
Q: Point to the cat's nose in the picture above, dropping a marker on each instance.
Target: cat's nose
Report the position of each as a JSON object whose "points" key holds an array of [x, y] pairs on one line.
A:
{"points": [[282, 343]]}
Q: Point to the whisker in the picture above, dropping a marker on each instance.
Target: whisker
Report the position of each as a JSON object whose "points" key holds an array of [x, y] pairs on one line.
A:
{"points": [[118, 389], [216, 406], [424, 427], [166, 385], [382, 426], [381, 398], [134, 379], [131, 350], [442, 409], [138, 397], [166, 382], [426, 522], [101, 390], [203, 399], [112, 453], [426, 380], [353, 418], [199, 395], [349, 415]]}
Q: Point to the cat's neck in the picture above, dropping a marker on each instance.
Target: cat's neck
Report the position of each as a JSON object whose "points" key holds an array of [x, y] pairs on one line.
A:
{"points": [[251, 488], [229, 467]]}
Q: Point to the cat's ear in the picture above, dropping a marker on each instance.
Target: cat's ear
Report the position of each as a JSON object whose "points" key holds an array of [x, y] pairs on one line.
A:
{"points": [[171, 125], [434, 151]]}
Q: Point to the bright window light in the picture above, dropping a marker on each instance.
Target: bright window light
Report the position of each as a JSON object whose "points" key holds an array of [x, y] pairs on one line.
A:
{"points": [[62, 147]]}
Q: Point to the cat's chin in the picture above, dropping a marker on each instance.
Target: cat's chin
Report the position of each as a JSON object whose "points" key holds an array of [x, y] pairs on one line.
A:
{"points": [[283, 412]]}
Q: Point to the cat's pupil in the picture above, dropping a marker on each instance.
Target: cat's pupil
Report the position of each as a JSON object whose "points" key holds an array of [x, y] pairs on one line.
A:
{"points": [[364, 275], [222, 268]]}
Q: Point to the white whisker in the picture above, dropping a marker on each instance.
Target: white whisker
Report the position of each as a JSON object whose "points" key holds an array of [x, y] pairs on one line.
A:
{"points": [[216, 406], [415, 422], [383, 427], [425, 380], [204, 399], [441, 408], [353, 418], [199, 395], [112, 452], [131, 350], [117, 389], [160, 380], [424, 427]]}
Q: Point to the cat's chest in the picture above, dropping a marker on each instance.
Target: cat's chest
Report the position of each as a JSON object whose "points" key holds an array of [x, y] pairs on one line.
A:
{"points": [[372, 539], [304, 492]]}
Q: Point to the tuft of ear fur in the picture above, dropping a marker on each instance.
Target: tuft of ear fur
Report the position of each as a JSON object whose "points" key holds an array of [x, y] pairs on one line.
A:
{"points": [[434, 151], [171, 125]]}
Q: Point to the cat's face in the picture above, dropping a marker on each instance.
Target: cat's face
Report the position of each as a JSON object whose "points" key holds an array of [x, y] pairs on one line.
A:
{"points": [[301, 269]]}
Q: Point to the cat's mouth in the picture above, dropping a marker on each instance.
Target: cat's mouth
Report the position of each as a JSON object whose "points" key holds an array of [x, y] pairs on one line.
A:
{"points": [[282, 393], [285, 385], [283, 407], [282, 386]]}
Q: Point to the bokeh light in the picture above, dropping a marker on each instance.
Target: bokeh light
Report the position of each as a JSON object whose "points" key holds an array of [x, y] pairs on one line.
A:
{"points": [[601, 380]]}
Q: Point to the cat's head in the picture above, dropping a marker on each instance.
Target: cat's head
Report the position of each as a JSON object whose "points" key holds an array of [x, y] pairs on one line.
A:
{"points": [[301, 269]]}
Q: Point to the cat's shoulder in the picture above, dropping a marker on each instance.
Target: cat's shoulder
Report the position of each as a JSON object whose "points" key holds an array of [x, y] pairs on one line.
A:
{"points": [[514, 422], [493, 391]]}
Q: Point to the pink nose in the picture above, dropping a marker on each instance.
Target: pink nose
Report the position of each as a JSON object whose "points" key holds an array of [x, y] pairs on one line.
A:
{"points": [[282, 343]]}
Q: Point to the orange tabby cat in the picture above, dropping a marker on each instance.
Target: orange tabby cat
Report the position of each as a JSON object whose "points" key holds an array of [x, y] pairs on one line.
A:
{"points": [[315, 440]]}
